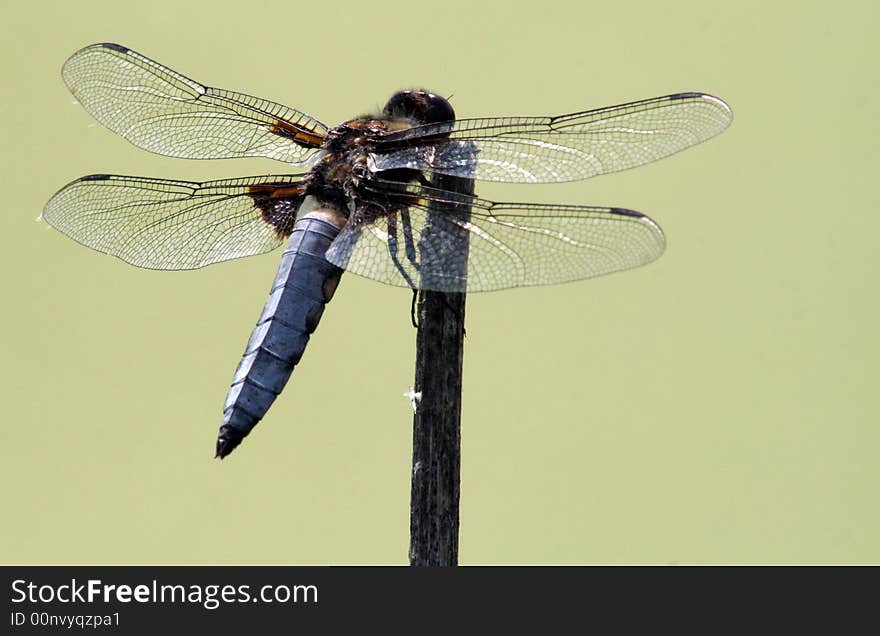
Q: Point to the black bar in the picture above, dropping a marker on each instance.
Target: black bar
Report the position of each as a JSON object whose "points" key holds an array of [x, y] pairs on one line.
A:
{"points": [[528, 600]]}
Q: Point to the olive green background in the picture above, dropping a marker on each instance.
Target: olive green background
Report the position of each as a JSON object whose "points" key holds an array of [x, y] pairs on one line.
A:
{"points": [[717, 406]]}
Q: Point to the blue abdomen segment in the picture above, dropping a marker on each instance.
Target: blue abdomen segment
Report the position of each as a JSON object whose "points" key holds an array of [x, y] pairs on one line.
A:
{"points": [[304, 284]]}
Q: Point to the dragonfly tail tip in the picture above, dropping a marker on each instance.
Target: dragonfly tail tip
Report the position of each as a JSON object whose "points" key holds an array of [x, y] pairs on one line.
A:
{"points": [[227, 440]]}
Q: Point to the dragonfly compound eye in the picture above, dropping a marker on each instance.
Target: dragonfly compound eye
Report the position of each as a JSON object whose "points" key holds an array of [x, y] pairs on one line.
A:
{"points": [[420, 106]]}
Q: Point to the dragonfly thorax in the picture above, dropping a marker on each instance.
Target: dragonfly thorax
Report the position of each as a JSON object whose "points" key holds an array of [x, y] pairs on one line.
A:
{"points": [[334, 178]]}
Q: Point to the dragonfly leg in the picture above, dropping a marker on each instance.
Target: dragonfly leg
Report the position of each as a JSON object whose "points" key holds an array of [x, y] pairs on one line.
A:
{"points": [[410, 248], [409, 244], [393, 249], [410, 256]]}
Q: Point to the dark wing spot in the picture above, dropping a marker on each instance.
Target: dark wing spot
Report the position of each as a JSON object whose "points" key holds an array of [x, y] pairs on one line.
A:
{"points": [[625, 212], [115, 47], [278, 205]]}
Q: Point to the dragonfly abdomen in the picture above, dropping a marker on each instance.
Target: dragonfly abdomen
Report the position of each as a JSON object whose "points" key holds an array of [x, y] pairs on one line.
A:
{"points": [[304, 284]]}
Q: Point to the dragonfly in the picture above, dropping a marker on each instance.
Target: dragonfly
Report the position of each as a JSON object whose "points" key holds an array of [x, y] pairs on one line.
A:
{"points": [[388, 196]]}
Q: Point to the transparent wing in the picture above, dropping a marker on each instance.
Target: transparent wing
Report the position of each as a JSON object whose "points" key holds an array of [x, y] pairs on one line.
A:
{"points": [[499, 245], [164, 112], [554, 149], [165, 224]]}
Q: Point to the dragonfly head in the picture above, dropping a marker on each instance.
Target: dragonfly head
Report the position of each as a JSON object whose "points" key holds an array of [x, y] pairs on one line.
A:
{"points": [[419, 106]]}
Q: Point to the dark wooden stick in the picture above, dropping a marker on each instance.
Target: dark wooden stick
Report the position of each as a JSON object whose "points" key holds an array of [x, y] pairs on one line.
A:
{"points": [[437, 420]]}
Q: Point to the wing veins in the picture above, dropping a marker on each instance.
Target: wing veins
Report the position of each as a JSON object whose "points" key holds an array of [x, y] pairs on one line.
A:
{"points": [[166, 112]]}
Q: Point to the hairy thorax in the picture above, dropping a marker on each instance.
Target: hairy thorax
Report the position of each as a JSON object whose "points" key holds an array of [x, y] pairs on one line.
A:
{"points": [[342, 166]]}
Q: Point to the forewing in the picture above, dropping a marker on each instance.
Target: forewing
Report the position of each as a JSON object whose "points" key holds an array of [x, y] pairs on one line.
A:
{"points": [[500, 245], [555, 149], [162, 111], [165, 224]]}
